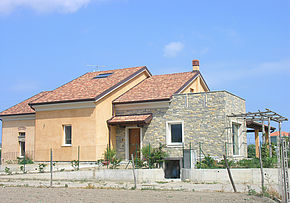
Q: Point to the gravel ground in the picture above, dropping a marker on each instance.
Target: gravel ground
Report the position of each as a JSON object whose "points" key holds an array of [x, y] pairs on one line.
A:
{"points": [[61, 195]]}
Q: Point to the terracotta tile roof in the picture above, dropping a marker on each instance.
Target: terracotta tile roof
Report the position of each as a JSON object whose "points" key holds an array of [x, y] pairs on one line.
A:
{"points": [[87, 88], [158, 87], [282, 133], [131, 119], [23, 107]]}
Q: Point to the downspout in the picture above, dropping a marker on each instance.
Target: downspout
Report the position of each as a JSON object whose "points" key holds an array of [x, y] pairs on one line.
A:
{"points": [[113, 114], [34, 137]]}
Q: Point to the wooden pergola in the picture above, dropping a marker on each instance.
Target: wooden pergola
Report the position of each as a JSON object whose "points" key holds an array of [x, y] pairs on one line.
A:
{"points": [[256, 121]]}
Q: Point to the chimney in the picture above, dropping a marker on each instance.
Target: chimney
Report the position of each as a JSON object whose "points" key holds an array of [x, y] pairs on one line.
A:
{"points": [[195, 65]]}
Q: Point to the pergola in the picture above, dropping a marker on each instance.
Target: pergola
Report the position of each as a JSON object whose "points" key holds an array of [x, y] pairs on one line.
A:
{"points": [[256, 121]]}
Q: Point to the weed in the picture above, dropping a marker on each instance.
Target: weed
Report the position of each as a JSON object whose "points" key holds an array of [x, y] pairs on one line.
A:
{"points": [[75, 164], [41, 167], [90, 186], [8, 171], [251, 191], [65, 185]]}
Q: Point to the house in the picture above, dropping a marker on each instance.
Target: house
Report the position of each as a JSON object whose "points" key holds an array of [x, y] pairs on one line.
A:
{"points": [[274, 136], [125, 109]]}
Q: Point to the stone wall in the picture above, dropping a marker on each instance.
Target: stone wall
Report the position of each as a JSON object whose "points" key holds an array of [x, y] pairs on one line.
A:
{"points": [[205, 120]]}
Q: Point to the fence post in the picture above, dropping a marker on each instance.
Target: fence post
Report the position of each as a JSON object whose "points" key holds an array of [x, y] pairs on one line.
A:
{"points": [[190, 155], [136, 154], [149, 155], [230, 175], [135, 182], [226, 149], [199, 154], [261, 168], [24, 163], [78, 157], [107, 161], [51, 167]]}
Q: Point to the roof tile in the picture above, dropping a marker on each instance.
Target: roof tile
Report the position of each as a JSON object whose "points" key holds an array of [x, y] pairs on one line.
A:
{"points": [[86, 87], [157, 87]]}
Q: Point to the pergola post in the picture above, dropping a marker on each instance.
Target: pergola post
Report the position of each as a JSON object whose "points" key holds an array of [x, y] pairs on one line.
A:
{"points": [[257, 141]]}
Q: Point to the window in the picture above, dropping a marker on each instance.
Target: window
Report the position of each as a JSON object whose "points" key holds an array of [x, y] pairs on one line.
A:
{"points": [[21, 139], [235, 138], [22, 134], [191, 90], [103, 75], [22, 149], [174, 132], [67, 134]]}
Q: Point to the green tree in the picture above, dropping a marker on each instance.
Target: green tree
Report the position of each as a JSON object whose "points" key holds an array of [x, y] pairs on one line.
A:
{"points": [[251, 151]]}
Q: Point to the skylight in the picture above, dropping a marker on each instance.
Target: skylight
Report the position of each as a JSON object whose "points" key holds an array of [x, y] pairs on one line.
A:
{"points": [[103, 75]]}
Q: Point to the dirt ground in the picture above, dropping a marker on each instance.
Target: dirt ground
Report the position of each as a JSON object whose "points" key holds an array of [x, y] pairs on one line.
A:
{"points": [[61, 195]]}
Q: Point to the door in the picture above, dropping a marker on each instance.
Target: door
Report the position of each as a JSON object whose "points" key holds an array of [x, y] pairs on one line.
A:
{"points": [[134, 142]]}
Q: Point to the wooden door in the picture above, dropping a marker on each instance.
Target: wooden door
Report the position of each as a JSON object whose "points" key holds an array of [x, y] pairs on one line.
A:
{"points": [[134, 142]]}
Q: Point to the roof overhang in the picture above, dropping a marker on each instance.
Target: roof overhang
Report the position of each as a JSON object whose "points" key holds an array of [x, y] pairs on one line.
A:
{"points": [[64, 106], [256, 125], [18, 117], [150, 104], [134, 119]]}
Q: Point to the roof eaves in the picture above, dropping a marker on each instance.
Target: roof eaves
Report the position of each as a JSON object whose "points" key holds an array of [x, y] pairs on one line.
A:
{"points": [[64, 101], [187, 83], [142, 101], [203, 80], [19, 114]]}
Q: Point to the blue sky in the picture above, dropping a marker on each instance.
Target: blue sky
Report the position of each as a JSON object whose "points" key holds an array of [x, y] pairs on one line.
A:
{"points": [[243, 46]]}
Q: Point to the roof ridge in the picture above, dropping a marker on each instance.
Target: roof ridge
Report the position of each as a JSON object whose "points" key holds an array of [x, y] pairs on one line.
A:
{"points": [[174, 73], [116, 69]]}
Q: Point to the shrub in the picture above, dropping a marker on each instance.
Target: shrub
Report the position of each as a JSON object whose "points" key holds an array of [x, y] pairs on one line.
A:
{"points": [[153, 157], [207, 162], [110, 157], [23, 161]]}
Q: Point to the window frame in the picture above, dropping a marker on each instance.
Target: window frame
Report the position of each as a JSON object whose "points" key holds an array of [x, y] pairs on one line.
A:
{"points": [[238, 153], [169, 143], [64, 135]]}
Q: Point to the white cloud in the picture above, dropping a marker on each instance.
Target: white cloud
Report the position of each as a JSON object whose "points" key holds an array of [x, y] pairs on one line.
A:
{"points": [[172, 49], [43, 6]]}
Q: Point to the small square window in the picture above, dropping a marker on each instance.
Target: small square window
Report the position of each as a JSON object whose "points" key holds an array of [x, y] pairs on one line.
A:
{"points": [[67, 134], [174, 133], [191, 90]]}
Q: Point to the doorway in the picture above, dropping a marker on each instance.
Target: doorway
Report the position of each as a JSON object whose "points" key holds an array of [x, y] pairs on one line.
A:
{"points": [[134, 142], [172, 168]]}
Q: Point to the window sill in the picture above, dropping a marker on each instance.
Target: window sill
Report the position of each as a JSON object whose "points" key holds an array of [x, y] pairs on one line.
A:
{"points": [[66, 145], [177, 145]]}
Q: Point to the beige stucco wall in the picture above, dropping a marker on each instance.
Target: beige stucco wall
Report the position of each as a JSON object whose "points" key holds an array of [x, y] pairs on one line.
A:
{"points": [[104, 111], [10, 133], [197, 85], [89, 129], [50, 134]]}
